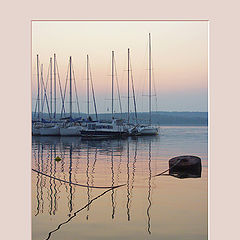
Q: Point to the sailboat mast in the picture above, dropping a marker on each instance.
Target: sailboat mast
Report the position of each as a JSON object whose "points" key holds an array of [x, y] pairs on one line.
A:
{"points": [[112, 79], [150, 104], [133, 92], [128, 80], [38, 86], [93, 94], [51, 87], [87, 86], [55, 93], [42, 91], [70, 85]]}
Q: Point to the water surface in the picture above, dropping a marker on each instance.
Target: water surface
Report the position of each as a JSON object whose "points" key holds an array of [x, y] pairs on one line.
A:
{"points": [[146, 207]]}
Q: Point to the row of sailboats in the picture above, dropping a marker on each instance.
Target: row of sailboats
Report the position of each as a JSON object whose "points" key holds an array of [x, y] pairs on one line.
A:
{"points": [[88, 128]]}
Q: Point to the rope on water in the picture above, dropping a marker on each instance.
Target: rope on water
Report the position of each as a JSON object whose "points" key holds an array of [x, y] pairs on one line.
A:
{"points": [[75, 213], [168, 169], [80, 185]]}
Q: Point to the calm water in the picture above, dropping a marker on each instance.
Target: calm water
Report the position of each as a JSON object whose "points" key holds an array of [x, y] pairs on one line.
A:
{"points": [[147, 207]]}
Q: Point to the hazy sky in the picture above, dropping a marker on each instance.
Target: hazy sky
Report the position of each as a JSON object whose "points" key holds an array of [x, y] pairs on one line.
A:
{"points": [[179, 57]]}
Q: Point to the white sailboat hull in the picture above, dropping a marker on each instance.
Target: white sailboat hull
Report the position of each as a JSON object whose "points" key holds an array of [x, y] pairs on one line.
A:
{"points": [[147, 130], [35, 131], [50, 131], [71, 131]]}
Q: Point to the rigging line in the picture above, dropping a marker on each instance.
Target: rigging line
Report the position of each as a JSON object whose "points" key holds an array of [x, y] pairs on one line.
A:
{"points": [[38, 86], [51, 87], [35, 110], [65, 87], [154, 87], [80, 185], [142, 78], [64, 94], [41, 77], [41, 97], [122, 77], [38, 95], [134, 98], [75, 213], [60, 87], [48, 76], [45, 93], [76, 91], [93, 93], [119, 97]]}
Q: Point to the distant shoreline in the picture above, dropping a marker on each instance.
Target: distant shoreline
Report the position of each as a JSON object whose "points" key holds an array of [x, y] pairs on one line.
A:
{"points": [[161, 118]]}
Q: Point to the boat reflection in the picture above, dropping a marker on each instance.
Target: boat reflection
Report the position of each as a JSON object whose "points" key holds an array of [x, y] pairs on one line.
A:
{"points": [[90, 163]]}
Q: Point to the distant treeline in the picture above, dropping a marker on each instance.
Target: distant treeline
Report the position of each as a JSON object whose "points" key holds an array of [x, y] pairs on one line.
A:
{"points": [[158, 118]]}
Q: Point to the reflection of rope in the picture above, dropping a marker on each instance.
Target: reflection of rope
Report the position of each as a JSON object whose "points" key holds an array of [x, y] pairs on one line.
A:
{"points": [[75, 214], [80, 185]]}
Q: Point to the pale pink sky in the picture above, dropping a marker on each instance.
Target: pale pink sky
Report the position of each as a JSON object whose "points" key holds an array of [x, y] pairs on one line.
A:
{"points": [[179, 55]]}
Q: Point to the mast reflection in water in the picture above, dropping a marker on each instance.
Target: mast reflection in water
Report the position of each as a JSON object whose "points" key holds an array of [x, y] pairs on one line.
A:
{"points": [[62, 210]]}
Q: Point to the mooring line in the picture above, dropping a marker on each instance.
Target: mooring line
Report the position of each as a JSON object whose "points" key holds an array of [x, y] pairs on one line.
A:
{"points": [[168, 168], [75, 213], [80, 185]]}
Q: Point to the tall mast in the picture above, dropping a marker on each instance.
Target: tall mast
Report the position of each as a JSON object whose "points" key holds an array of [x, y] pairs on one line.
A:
{"points": [[112, 79], [87, 86], [51, 87], [93, 94], [128, 81], [42, 91], [70, 85], [38, 86], [133, 92], [150, 105], [55, 93]]}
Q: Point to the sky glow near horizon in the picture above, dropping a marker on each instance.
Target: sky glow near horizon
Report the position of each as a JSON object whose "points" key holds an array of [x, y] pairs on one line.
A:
{"points": [[179, 61]]}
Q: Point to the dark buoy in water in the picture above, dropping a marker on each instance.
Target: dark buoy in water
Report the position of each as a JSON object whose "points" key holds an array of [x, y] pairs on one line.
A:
{"points": [[185, 167], [57, 159]]}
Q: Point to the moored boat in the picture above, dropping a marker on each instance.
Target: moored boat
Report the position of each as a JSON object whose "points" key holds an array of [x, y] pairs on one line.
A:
{"points": [[114, 128], [51, 129], [72, 129], [148, 129], [36, 128]]}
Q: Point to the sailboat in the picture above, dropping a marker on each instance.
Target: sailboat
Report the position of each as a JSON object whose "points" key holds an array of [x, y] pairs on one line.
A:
{"points": [[36, 124], [148, 129], [105, 129], [70, 127], [132, 128], [51, 128]]}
